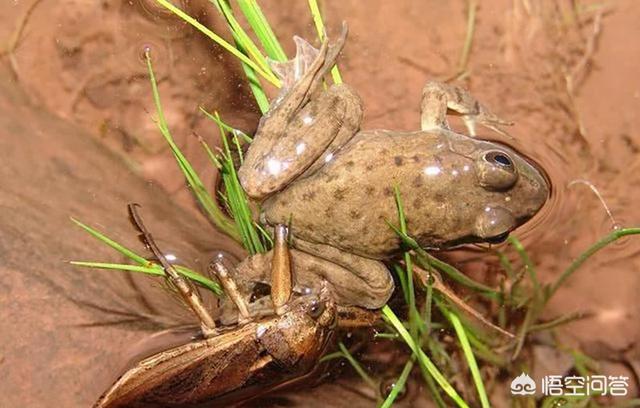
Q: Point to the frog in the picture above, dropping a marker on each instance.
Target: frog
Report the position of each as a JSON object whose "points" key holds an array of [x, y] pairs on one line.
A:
{"points": [[311, 167]]}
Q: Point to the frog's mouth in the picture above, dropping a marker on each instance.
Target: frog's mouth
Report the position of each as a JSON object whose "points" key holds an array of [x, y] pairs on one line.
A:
{"points": [[471, 240]]}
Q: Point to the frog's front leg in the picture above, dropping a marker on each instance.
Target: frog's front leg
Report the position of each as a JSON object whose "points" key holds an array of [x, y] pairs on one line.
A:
{"points": [[303, 123], [438, 97]]}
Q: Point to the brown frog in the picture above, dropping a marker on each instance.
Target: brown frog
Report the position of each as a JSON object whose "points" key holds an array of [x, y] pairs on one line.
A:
{"points": [[310, 166]]}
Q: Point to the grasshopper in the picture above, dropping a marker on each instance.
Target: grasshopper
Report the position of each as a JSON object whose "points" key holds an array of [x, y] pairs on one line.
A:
{"points": [[229, 365]]}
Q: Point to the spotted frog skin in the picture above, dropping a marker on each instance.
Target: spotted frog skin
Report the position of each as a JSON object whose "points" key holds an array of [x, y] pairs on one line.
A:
{"points": [[312, 168]]}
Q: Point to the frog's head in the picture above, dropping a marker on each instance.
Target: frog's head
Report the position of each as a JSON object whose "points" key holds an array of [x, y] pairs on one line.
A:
{"points": [[516, 189], [301, 334]]}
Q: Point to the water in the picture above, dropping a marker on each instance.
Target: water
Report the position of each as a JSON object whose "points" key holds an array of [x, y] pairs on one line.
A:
{"points": [[100, 149]]}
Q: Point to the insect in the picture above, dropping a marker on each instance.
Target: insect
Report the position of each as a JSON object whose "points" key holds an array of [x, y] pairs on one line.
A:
{"points": [[229, 365]]}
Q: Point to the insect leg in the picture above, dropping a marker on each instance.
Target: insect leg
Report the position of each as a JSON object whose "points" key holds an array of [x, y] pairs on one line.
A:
{"points": [[281, 285], [357, 317], [182, 285], [231, 289]]}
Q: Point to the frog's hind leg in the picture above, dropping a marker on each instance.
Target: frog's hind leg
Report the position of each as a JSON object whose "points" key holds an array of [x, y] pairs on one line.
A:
{"points": [[438, 97], [303, 123], [354, 281]]}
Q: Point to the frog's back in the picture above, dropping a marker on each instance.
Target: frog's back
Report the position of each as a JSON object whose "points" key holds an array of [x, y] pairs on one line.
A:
{"points": [[348, 202]]}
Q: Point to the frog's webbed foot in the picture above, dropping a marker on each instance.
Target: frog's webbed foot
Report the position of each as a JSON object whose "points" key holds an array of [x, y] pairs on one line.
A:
{"points": [[292, 71], [438, 97], [301, 75]]}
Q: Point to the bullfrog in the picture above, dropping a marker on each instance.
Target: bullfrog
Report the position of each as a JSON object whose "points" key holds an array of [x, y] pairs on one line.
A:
{"points": [[311, 167]]}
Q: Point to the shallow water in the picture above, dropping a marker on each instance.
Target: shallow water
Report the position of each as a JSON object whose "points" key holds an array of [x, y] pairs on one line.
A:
{"points": [[81, 62]]}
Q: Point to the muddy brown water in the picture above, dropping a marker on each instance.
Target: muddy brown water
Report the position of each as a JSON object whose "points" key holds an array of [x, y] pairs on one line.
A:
{"points": [[77, 139]]}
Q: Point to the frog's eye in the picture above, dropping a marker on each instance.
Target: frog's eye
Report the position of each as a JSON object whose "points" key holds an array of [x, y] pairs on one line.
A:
{"points": [[499, 158], [496, 170]]}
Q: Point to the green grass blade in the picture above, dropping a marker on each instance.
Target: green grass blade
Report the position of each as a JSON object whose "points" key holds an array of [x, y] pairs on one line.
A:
{"points": [[156, 270], [235, 132], [427, 260], [220, 41], [331, 356], [145, 266], [150, 270], [238, 201], [317, 21], [603, 242], [434, 391], [215, 160], [260, 26], [202, 194], [403, 281], [559, 321], [249, 47], [246, 46], [423, 359], [471, 360], [410, 290], [356, 366], [113, 244], [256, 89], [528, 264], [428, 304], [399, 384], [200, 279]]}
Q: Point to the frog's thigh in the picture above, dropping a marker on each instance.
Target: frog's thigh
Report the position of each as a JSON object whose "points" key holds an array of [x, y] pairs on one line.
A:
{"points": [[437, 97], [358, 281]]}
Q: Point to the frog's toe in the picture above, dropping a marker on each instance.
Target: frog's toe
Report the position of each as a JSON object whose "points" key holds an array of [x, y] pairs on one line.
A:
{"points": [[488, 120]]}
